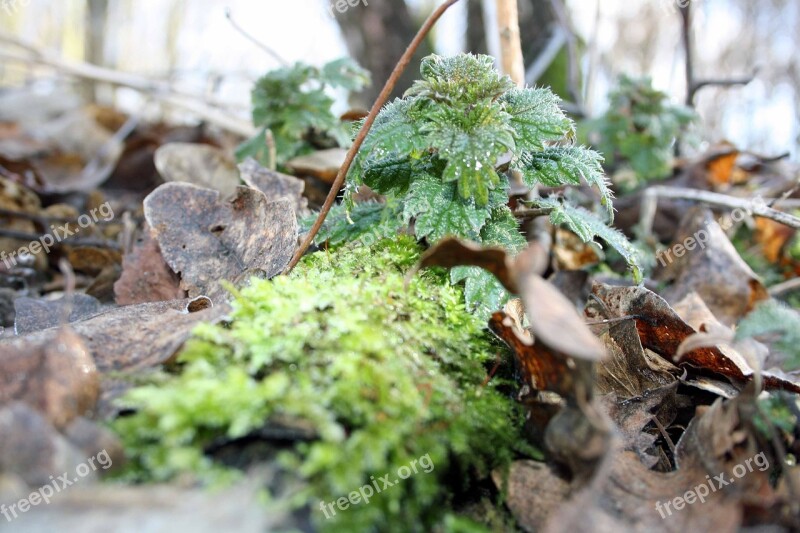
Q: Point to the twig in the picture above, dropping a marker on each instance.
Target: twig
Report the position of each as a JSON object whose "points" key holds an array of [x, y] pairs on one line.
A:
{"points": [[713, 198], [784, 287], [546, 57], [198, 105], [693, 85], [253, 40], [529, 213], [362, 134], [572, 51]]}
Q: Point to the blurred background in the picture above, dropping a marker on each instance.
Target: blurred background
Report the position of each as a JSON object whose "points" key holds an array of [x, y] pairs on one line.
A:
{"points": [[579, 47]]}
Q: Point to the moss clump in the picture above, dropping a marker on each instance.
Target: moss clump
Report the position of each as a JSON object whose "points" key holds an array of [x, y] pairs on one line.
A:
{"points": [[385, 374]]}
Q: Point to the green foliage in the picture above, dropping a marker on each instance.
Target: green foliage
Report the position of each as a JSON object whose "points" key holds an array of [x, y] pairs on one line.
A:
{"points": [[587, 226], [292, 101], [383, 373], [777, 323], [438, 153], [774, 411], [639, 129]]}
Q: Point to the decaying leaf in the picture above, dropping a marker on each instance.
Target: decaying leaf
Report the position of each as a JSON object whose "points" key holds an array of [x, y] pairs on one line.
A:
{"points": [[200, 164], [662, 331], [710, 266], [275, 185], [58, 377], [146, 277], [553, 319], [207, 240], [115, 338], [37, 314]]}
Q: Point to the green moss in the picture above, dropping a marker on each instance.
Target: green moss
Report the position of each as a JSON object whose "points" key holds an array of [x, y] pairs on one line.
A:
{"points": [[384, 373]]}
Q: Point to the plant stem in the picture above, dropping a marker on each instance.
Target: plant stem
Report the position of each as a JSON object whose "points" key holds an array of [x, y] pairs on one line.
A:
{"points": [[362, 134]]}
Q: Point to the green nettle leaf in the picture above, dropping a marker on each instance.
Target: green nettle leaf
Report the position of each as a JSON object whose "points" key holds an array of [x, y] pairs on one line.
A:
{"points": [[368, 221], [439, 211], [439, 153], [587, 226], [464, 78], [471, 141], [536, 117], [559, 165], [345, 73], [777, 322], [639, 129], [294, 100]]}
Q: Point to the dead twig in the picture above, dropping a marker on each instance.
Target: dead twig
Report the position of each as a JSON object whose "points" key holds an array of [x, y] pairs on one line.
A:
{"points": [[362, 134], [693, 85], [253, 40], [211, 111], [759, 208]]}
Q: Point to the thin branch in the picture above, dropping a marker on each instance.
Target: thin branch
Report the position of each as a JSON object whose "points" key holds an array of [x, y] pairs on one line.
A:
{"points": [[572, 51], [546, 57], [198, 105], [253, 40], [712, 198], [784, 287], [362, 134], [693, 85]]}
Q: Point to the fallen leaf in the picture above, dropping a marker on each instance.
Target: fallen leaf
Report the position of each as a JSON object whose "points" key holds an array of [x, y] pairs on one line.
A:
{"points": [[146, 277], [323, 165], [207, 240], [199, 164], [713, 269], [57, 377], [36, 314], [275, 185]]}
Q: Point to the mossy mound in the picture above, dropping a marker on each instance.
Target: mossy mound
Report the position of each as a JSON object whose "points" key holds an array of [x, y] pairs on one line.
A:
{"points": [[384, 374]]}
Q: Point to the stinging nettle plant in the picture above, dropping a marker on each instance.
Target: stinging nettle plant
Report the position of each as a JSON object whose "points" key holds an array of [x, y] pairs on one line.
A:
{"points": [[439, 157]]}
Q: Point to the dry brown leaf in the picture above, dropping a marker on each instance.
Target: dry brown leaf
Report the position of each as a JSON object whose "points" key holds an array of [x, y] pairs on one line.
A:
{"points": [[58, 377], [207, 240], [146, 277], [200, 164]]}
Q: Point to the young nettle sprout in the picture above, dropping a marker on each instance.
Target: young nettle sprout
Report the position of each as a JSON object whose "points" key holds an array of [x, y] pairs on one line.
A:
{"points": [[437, 154]]}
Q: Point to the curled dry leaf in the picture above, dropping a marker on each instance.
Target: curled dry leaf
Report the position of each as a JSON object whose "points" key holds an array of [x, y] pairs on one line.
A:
{"points": [[626, 496], [553, 319], [662, 331], [207, 240], [275, 185], [710, 266], [58, 377], [200, 164]]}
